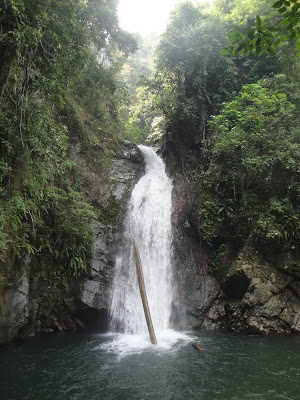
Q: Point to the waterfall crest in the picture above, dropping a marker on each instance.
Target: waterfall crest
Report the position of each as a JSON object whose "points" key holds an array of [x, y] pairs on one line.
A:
{"points": [[148, 223]]}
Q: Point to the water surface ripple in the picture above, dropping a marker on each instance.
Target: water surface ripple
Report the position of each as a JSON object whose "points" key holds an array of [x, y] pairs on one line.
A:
{"points": [[91, 367]]}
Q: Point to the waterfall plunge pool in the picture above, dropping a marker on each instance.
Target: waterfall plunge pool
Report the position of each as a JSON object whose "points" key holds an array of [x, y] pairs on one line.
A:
{"points": [[127, 367]]}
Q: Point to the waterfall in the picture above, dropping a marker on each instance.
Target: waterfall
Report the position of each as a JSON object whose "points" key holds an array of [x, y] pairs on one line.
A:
{"points": [[148, 223]]}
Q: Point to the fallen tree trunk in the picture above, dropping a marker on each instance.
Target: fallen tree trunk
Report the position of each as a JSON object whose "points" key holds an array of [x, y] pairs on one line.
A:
{"points": [[197, 347], [141, 281]]}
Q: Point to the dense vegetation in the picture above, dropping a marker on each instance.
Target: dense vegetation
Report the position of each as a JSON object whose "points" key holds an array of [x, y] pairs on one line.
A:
{"points": [[137, 115], [232, 124], [251, 187], [59, 79]]}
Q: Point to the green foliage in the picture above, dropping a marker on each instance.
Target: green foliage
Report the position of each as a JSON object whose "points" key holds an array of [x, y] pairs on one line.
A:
{"points": [[243, 152], [192, 78], [140, 63], [4, 282], [66, 238], [265, 37], [110, 214], [215, 258], [32, 189], [59, 65], [138, 120], [138, 114], [251, 188], [255, 109], [31, 158], [132, 130]]}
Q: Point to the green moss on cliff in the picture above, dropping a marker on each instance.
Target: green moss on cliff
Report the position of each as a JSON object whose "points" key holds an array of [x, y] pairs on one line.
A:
{"points": [[110, 213]]}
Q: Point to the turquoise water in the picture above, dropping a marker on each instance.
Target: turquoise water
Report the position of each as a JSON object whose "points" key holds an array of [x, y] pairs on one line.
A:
{"points": [[115, 367]]}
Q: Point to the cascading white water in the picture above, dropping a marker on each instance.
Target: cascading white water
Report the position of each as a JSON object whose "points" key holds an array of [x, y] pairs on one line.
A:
{"points": [[148, 223]]}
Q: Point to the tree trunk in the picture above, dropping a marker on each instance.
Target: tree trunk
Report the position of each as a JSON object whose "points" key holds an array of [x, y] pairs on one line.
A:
{"points": [[141, 281]]}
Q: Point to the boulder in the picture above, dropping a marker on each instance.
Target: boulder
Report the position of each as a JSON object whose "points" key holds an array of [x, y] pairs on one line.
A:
{"points": [[268, 299]]}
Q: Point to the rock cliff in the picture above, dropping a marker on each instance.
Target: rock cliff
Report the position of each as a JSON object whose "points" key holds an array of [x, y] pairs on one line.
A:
{"points": [[198, 289], [35, 301], [127, 167]]}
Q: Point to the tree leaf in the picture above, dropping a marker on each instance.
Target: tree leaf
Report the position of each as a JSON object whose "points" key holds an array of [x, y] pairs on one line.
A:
{"points": [[277, 4], [258, 20], [276, 43]]}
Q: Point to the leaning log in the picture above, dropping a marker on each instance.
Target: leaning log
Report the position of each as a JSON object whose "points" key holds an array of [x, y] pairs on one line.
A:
{"points": [[141, 281]]}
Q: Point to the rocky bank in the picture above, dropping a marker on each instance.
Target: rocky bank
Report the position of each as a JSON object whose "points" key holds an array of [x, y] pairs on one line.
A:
{"points": [[260, 293]]}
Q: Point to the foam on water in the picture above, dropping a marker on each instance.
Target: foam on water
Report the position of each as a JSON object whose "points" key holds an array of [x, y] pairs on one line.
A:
{"points": [[126, 344]]}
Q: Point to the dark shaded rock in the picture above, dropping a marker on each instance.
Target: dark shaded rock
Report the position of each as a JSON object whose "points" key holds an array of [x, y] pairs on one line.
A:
{"points": [[285, 262], [109, 187], [236, 285], [14, 304], [131, 152], [96, 286], [94, 320], [270, 304], [172, 157], [198, 289], [295, 288]]}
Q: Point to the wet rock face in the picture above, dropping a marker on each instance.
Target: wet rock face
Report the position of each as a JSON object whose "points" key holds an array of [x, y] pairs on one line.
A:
{"points": [[95, 293], [14, 304], [127, 168], [270, 303], [198, 290]]}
